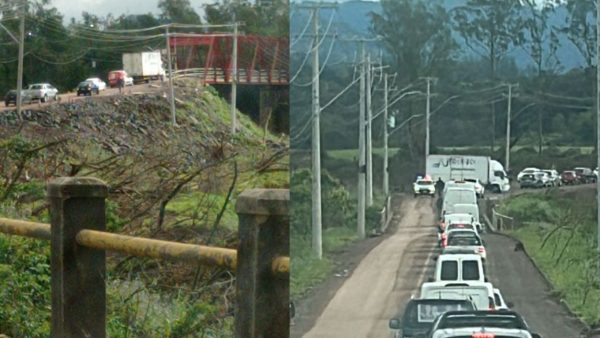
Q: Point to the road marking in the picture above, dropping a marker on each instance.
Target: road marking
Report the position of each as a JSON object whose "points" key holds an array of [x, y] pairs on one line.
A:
{"points": [[426, 265]]}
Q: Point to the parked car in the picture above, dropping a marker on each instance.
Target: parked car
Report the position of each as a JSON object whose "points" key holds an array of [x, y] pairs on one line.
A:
{"points": [[116, 75], [101, 85], [585, 175], [42, 91], [480, 293], [554, 177], [424, 186], [538, 179], [480, 324], [419, 315], [87, 88], [459, 267], [568, 177], [11, 97], [526, 171]]}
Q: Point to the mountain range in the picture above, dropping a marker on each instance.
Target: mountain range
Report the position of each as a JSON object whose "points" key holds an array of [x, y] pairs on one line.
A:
{"points": [[351, 19]]}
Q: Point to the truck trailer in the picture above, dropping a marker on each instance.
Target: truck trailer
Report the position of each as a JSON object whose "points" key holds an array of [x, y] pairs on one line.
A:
{"points": [[144, 66], [459, 167]]}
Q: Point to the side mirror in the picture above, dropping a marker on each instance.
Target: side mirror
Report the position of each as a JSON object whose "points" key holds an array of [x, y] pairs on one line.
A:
{"points": [[394, 324], [430, 280], [510, 304], [435, 258], [485, 279]]}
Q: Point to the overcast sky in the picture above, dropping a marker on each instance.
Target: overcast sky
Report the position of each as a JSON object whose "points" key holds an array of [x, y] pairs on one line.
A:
{"points": [[70, 8]]}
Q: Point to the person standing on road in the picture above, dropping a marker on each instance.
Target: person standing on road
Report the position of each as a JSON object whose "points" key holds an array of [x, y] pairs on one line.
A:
{"points": [[439, 186], [121, 84]]}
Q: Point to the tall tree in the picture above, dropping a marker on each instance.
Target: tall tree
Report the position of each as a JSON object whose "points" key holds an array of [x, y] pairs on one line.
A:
{"points": [[581, 28], [179, 11], [418, 37], [262, 19], [491, 29], [541, 43]]}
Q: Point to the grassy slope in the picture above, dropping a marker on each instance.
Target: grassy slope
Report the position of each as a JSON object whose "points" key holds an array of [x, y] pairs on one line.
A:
{"points": [[572, 271], [144, 299]]}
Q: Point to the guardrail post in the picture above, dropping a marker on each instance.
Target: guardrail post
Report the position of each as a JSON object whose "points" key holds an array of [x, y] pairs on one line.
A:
{"points": [[78, 273], [262, 298]]}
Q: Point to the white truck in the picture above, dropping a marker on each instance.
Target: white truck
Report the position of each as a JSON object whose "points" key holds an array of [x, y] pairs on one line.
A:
{"points": [[459, 167], [144, 66]]}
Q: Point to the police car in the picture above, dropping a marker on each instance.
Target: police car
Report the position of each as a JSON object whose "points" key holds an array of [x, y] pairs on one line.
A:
{"points": [[424, 186]]}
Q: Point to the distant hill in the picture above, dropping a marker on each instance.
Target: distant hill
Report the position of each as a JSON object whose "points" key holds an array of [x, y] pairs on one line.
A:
{"points": [[352, 20]]}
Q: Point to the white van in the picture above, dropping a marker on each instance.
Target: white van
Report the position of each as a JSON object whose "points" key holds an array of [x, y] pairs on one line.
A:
{"points": [[459, 267], [480, 293], [458, 196]]}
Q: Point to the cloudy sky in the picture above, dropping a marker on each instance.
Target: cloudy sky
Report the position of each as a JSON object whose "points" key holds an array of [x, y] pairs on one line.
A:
{"points": [[70, 8]]}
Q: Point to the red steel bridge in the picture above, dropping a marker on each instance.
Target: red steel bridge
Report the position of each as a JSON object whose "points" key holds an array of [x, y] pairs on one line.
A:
{"points": [[261, 60]]}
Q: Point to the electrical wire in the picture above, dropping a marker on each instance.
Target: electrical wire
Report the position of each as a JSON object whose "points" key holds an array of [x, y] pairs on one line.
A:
{"points": [[322, 68], [292, 43]]}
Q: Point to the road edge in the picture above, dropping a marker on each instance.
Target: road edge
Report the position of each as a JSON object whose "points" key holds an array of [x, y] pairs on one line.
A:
{"points": [[327, 289], [588, 330]]}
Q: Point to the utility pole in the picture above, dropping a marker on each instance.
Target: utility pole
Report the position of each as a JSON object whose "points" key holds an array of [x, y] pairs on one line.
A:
{"points": [[369, 201], [507, 160], [234, 75], [316, 142], [386, 187], [20, 65], [171, 90], [361, 148], [427, 113]]}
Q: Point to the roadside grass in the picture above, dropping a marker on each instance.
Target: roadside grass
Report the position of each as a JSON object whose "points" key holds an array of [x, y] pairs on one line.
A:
{"points": [[307, 270], [559, 233]]}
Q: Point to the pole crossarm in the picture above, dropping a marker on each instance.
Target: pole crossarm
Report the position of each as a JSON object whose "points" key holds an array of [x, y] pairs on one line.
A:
{"points": [[141, 247]]}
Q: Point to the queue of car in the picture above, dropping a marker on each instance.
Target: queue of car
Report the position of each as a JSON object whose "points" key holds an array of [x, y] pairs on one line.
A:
{"points": [[458, 301], [44, 92], [541, 178]]}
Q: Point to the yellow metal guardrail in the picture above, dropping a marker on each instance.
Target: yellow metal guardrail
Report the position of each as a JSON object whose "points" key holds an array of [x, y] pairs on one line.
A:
{"points": [[141, 247], [78, 241]]}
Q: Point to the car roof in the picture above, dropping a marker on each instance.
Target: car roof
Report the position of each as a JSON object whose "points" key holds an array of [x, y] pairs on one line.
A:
{"points": [[448, 256]]}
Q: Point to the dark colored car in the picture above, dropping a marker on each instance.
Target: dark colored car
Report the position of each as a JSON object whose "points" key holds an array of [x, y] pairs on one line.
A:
{"points": [[87, 88], [531, 181], [419, 315], [568, 177], [481, 319], [585, 175], [11, 97]]}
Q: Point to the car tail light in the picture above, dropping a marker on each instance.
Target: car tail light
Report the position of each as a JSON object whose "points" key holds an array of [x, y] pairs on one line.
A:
{"points": [[491, 305], [483, 335], [481, 249]]}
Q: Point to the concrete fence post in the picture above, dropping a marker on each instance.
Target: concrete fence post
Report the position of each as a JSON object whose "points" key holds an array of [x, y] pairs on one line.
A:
{"points": [[78, 273], [262, 309]]}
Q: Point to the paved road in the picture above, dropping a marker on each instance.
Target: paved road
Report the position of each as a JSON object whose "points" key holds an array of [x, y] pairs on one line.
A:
{"points": [[384, 280], [68, 97], [518, 280]]}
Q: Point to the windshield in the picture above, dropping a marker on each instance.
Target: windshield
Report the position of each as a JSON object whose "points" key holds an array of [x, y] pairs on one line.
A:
{"points": [[463, 241], [36, 87], [422, 314]]}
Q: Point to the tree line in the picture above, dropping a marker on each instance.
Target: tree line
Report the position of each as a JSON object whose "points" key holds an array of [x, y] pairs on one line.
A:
{"points": [[424, 38], [66, 53]]}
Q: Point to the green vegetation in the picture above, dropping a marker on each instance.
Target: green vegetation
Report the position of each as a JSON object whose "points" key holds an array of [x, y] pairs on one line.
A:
{"points": [[559, 232], [170, 184], [339, 228]]}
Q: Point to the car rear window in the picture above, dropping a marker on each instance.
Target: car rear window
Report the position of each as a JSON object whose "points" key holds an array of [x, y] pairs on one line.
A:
{"points": [[470, 270], [449, 270]]}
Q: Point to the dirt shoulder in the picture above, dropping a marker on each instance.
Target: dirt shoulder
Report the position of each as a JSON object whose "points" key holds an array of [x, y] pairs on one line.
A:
{"points": [[346, 260]]}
